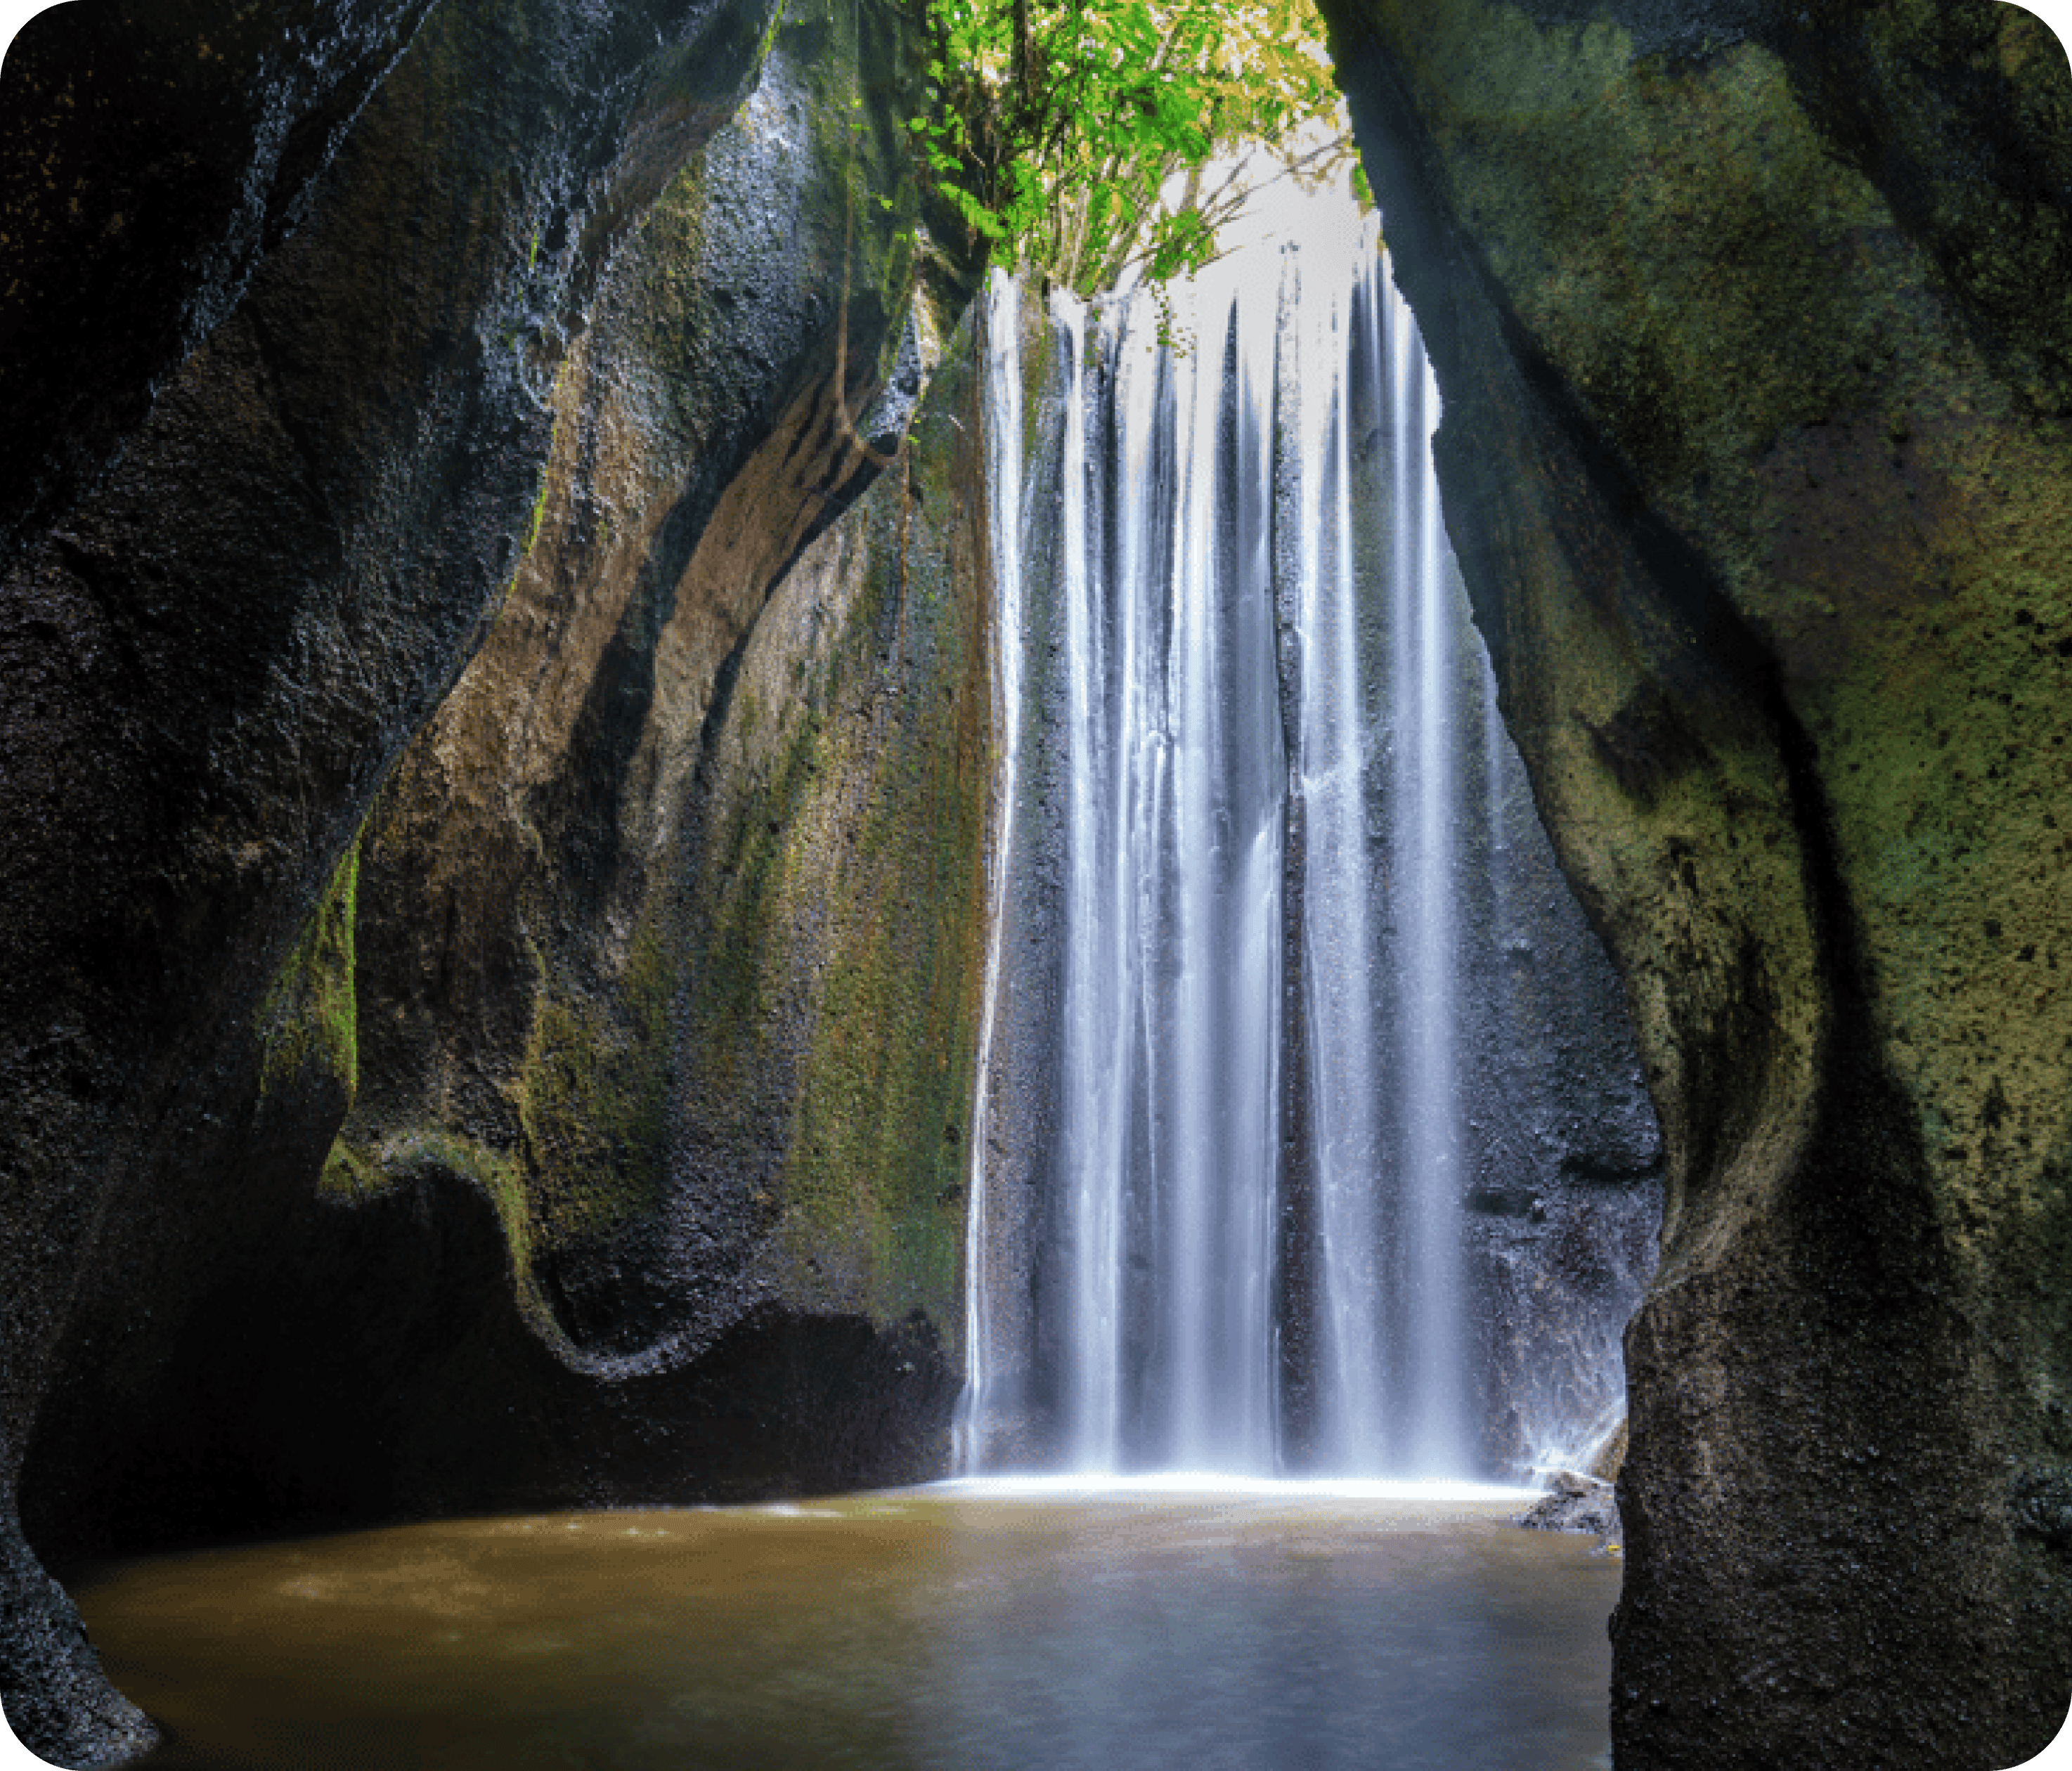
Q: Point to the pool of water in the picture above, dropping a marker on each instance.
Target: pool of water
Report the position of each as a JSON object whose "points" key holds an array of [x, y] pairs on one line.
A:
{"points": [[949, 1629]]}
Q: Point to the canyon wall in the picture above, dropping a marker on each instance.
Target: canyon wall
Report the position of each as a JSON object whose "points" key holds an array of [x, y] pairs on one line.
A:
{"points": [[1753, 327], [592, 325]]}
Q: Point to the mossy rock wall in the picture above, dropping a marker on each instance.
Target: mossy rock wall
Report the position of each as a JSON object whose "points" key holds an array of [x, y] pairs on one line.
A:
{"points": [[839, 908], [525, 928], [510, 1281], [1751, 324], [211, 663]]}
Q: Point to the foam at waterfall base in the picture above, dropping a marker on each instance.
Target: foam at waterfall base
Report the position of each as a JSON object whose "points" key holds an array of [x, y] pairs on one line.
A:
{"points": [[1180, 1483]]}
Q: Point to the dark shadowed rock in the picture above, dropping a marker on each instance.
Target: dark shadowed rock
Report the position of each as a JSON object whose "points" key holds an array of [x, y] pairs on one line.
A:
{"points": [[598, 1231], [207, 668], [155, 149], [1752, 324]]}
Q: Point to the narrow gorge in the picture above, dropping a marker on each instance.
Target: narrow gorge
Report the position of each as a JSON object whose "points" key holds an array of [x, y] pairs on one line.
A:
{"points": [[669, 844]]}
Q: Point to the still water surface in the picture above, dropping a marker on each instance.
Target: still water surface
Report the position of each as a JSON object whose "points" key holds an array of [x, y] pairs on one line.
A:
{"points": [[948, 1629]]}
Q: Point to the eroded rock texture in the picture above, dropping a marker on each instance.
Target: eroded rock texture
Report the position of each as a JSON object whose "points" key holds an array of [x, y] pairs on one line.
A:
{"points": [[155, 149], [214, 659], [639, 933], [1752, 325]]}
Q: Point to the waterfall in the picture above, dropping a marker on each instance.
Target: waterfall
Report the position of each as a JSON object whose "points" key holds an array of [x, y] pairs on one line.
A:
{"points": [[1003, 524], [1099, 960], [1338, 935], [1259, 742], [1423, 683]]}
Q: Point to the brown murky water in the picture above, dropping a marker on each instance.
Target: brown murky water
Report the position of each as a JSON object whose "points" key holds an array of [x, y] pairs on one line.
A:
{"points": [[923, 1630]]}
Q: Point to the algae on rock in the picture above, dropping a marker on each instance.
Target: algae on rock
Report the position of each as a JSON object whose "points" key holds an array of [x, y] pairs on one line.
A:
{"points": [[537, 982], [309, 1019], [836, 908], [212, 662], [1751, 326]]}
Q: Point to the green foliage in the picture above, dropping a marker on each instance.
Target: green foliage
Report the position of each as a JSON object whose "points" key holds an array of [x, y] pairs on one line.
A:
{"points": [[1062, 129]]}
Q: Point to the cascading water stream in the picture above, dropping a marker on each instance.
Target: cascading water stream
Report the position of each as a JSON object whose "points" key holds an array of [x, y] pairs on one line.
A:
{"points": [[1425, 661], [1338, 927], [1096, 1052], [1003, 408], [1243, 681]]}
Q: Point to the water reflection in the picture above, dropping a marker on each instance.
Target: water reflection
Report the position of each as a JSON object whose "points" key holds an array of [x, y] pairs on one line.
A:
{"points": [[929, 1630]]}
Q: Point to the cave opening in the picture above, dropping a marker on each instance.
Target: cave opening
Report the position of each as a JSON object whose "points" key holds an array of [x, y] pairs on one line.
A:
{"points": [[1228, 526]]}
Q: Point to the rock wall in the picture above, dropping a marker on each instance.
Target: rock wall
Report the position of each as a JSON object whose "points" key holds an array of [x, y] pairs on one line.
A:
{"points": [[579, 871], [448, 415], [153, 153], [1561, 1154], [1753, 330]]}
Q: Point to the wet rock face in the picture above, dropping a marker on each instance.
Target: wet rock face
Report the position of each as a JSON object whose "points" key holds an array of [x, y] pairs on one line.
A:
{"points": [[208, 665], [1575, 1503], [1751, 329], [638, 993], [1563, 1154], [154, 151]]}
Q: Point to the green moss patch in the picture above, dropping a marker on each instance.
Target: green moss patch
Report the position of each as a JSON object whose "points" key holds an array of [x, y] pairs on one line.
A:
{"points": [[307, 1020], [594, 1098]]}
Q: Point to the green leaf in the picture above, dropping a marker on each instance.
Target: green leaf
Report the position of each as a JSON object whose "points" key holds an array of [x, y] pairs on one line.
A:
{"points": [[1054, 148]]}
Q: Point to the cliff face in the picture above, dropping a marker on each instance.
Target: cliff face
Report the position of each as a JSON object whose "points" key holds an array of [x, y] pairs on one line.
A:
{"points": [[1751, 327], [398, 447], [588, 976], [153, 153]]}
